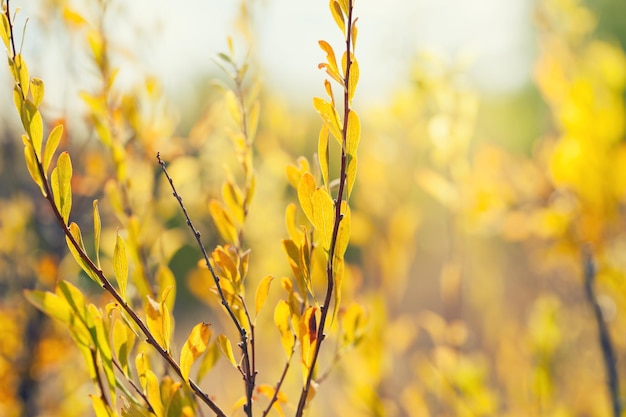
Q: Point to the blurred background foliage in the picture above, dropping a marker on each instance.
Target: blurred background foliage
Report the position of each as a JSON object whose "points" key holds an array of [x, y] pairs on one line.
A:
{"points": [[469, 217]]}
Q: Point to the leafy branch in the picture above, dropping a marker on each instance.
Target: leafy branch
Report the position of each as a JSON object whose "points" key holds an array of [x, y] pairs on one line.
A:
{"points": [[60, 200], [342, 13]]}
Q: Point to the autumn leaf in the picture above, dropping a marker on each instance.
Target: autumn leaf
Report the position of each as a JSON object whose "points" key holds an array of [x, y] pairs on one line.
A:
{"points": [[194, 346]]}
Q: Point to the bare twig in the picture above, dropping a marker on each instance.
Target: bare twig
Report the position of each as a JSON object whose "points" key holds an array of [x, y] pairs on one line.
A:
{"points": [[604, 337], [247, 372]]}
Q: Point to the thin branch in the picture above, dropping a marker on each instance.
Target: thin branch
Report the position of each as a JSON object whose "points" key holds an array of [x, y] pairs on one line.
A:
{"points": [[247, 372], [103, 396], [281, 379], [604, 337], [197, 235], [338, 217], [135, 387], [8, 14]]}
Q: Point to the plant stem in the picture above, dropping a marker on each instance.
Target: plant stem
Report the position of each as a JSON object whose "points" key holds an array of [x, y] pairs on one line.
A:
{"points": [[604, 337], [330, 272]]}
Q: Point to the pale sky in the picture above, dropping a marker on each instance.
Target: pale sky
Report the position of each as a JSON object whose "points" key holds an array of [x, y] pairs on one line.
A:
{"points": [[178, 40]]}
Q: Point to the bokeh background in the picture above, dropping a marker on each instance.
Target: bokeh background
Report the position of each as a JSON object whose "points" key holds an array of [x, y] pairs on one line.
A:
{"points": [[492, 156]]}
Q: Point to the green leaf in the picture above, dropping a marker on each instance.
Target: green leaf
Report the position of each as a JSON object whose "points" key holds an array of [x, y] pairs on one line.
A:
{"points": [[54, 138], [120, 265]]}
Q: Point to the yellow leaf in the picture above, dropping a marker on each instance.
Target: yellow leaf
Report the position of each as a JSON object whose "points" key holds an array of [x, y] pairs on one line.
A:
{"points": [[253, 120], [21, 70], [331, 62], [223, 223], [344, 6], [153, 392], [262, 292], [355, 33], [295, 173], [353, 321], [33, 125], [195, 345], [335, 9], [232, 103], [122, 344], [282, 315], [61, 185], [351, 173], [323, 153], [52, 143], [37, 91], [308, 339], [354, 74], [343, 234], [99, 406], [296, 234], [142, 363], [78, 237], [120, 265], [353, 135], [97, 229], [323, 216], [306, 188], [226, 349], [158, 322], [293, 257], [73, 17], [210, 358], [338, 274], [233, 198], [97, 45], [31, 164], [50, 303], [166, 279], [5, 31], [329, 116]]}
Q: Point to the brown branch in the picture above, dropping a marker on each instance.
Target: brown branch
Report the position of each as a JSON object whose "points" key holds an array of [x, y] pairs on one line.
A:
{"points": [[135, 387], [338, 217], [281, 379], [247, 372], [604, 337]]}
